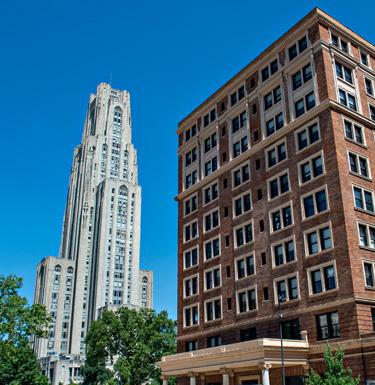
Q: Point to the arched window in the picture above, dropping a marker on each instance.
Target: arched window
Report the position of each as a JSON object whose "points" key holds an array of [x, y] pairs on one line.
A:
{"points": [[123, 191], [70, 270], [144, 280], [58, 268], [117, 116]]}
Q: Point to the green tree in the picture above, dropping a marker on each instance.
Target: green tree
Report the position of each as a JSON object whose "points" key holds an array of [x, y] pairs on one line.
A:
{"points": [[130, 342], [18, 323], [335, 373]]}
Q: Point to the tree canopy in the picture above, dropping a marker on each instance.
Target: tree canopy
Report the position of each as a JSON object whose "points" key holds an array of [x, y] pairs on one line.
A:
{"points": [[18, 323], [123, 346], [335, 373]]}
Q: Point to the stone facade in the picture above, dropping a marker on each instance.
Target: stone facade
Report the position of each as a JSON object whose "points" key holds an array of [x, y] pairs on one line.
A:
{"points": [[288, 146], [98, 264]]}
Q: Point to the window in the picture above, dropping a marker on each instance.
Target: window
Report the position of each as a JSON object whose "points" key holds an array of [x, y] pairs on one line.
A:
{"points": [[291, 329], [366, 235], [301, 77], [209, 118], [191, 316], [274, 124], [373, 318], [190, 156], [191, 132], [278, 185], [281, 218], [307, 136], [339, 43], [369, 87], [322, 278], [372, 112], [191, 346], [212, 278], [304, 104], [210, 166], [286, 289], [241, 175], [272, 98], [311, 168], [191, 179], [248, 334], [191, 231], [244, 234], [191, 204], [237, 96], [210, 142], [213, 309], [297, 48], [344, 73], [368, 268], [240, 146], [210, 193], [211, 220], [347, 99], [276, 154], [271, 69], [245, 266], [358, 165], [242, 204], [239, 122], [365, 59], [363, 199], [214, 341], [315, 203], [283, 252], [191, 258], [191, 286], [354, 132], [246, 300], [328, 325], [212, 248], [318, 240]]}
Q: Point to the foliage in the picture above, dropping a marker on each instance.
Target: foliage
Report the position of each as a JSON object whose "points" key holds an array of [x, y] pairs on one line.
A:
{"points": [[335, 373], [123, 347], [18, 323]]}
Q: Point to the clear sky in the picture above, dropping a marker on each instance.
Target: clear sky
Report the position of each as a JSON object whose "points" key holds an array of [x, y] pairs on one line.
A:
{"points": [[170, 55]]}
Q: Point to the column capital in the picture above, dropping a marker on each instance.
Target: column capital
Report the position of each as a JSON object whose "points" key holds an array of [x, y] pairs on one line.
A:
{"points": [[202, 377], [192, 374], [265, 366], [304, 335]]}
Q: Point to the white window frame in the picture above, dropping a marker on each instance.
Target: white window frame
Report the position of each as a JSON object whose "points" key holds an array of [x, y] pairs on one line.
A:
{"points": [[352, 93], [190, 150], [344, 66], [209, 186], [313, 192], [321, 268], [241, 196], [368, 65], [340, 43], [210, 213], [354, 123], [190, 277], [309, 160], [280, 208], [190, 224], [285, 278], [317, 229], [221, 307], [369, 110], [277, 176], [363, 189], [275, 147], [297, 46], [357, 154], [209, 136], [190, 198], [245, 290], [212, 170], [244, 256], [372, 263], [368, 225], [372, 86], [283, 242], [211, 269], [242, 225], [204, 248], [306, 128], [190, 250], [184, 318], [239, 167]]}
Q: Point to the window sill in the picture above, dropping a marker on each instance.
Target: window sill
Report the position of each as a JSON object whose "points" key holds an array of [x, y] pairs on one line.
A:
{"points": [[303, 184], [318, 295], [319, 253], [280, 230], [364, 211], [360, 176], [363, 145], [274, 267], [315, 215]]}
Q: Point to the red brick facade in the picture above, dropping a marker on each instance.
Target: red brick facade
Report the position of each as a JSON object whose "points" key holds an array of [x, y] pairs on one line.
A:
{"points": [[351, 298]]}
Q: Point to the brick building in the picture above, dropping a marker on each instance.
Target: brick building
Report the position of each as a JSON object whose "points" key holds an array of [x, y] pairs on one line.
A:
{"points": [[276, 214]]}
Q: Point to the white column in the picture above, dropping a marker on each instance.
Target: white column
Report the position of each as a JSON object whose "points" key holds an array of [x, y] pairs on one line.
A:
{"points": [[165, 381], [225, 378], [193, 379], [266, 375]]}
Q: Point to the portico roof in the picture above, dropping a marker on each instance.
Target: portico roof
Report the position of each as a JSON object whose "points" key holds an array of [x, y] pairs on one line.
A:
{"points": [[242, 355]]}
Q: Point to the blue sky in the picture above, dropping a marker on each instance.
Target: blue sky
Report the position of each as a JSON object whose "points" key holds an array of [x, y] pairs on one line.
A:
{"points": [[170, 55]]}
